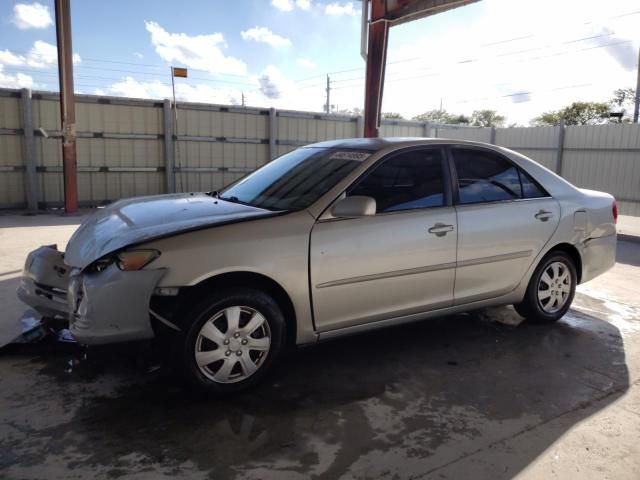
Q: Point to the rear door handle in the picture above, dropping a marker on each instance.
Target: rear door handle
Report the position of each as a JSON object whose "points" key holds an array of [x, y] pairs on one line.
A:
{"points": [[543, 215], [440, 229]]}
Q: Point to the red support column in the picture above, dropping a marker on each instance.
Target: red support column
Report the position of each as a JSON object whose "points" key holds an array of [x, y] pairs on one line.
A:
{"points": [[376, 63], [67, 105]]}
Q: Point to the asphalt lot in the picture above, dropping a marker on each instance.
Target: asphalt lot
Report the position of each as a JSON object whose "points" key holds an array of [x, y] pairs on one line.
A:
{"points": [[472, 395]]}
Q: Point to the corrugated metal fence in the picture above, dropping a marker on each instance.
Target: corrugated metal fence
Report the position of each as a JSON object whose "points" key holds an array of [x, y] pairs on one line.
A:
{"points": [[123, 150]]}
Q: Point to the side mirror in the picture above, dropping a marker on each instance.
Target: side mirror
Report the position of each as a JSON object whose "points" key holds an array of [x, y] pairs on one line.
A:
{"points": [[356, 206]]}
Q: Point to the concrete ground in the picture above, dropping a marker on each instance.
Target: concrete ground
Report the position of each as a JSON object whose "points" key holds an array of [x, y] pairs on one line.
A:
{"points": [[462, 396], [629, 227]]}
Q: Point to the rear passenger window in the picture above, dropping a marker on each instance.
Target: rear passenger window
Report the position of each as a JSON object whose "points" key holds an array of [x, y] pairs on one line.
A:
{"points": [[530, 189], [488, 177], [405, 182]]}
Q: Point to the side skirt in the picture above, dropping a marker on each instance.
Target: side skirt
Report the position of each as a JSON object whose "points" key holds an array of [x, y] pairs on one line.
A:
{"points": [[511, 297]]}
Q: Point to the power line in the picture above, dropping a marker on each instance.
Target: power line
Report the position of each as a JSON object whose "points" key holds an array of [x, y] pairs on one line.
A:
{"points": [[160, 66], [523, 93], [474, 60], [519, 60], [509, 40], [337, 72]]}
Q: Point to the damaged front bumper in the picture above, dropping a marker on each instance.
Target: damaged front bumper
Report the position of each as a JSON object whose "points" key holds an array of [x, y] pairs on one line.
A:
{"points": [[103, 307], [44, 282]]}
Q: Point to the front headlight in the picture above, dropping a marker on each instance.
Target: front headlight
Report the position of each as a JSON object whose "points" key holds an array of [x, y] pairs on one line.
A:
{"points": [[135, 259]]}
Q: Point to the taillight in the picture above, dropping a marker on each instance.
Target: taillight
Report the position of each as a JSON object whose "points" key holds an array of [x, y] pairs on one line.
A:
{"points": [[614, 210]]}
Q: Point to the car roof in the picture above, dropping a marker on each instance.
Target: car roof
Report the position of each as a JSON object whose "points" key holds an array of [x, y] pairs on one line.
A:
{"points": [[375, 144]]}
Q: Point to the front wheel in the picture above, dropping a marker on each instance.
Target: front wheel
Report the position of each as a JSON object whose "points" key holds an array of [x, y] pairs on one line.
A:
{"points": [[551, 289], [233, 340]]}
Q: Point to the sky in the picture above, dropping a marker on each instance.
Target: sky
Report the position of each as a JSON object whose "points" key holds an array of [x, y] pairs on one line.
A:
{"points": [[519, 57]]}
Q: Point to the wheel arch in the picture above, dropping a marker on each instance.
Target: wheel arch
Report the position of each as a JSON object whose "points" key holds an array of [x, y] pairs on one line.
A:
{"points": [[193, 294], [573, 252]]}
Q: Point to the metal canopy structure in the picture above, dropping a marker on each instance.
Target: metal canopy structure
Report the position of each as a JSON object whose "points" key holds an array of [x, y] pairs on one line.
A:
{"points": [[377, 17]]}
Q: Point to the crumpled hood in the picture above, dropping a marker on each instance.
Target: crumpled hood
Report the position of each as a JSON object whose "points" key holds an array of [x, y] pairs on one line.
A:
{"points": [[142, 219]]}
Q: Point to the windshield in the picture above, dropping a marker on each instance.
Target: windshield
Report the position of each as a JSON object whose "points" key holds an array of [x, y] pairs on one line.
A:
{"points": [[295, 180]]}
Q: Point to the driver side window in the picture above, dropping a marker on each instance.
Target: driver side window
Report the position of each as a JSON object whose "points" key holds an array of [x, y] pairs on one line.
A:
{"points": [[407, 181], [485, 177]]}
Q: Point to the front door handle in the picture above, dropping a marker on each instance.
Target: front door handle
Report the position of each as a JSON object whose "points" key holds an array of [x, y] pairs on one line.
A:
{"points": [[543, 215], [440, 229]]}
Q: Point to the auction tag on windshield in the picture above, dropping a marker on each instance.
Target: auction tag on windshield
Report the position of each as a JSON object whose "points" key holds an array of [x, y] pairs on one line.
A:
{"points": [[357, 156]]}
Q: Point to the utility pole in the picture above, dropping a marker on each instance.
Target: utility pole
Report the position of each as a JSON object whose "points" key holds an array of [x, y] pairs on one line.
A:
{"points": [[243, 99], [328, 106], [636, 108], [181, 73], [67, 105]]}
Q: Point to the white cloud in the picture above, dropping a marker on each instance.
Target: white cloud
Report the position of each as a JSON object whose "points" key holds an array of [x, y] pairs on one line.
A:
{"points": [[272, 83], [288, 5], [338, 9], [306, 63], [284, 5], [41, 55], [264, 35], [201, 52], [19, 80], [155, 89], [33, 15], [271, 88], [278, 91], [138, 55]]}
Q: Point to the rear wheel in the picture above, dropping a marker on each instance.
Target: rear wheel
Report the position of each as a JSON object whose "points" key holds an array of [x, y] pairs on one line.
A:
{"points": [[233, 341], [550, 290]]}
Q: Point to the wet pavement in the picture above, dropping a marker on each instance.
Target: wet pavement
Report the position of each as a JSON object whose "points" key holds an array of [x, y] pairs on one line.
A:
{"points": [[470, 395]]}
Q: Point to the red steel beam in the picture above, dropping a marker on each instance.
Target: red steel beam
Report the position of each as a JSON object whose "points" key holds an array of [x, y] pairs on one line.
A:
{"points": [[67, 105], [376, 63]]}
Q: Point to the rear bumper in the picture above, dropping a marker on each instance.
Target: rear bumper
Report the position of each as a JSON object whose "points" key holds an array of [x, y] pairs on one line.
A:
{"points": [[598, 256], [103, 307]]}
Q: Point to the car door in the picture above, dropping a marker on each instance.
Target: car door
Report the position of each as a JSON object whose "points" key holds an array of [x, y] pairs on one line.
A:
{"points": [[504, 219], [397, 262]]}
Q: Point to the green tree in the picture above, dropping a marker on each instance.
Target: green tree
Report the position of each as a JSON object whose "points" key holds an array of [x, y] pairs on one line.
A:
{"points": [[624, 100], [487, 118], [551, 118], [441, 116], [459, 119], [392, 116], [578, 113]]}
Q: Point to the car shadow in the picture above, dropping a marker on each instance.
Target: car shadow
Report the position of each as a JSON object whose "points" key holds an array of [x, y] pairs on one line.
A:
{"points": [[410, 401], [627, 253]]}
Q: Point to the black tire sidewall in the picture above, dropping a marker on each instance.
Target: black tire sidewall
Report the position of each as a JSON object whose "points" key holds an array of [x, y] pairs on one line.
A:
{"points": [[256, 299], [532, 307]]}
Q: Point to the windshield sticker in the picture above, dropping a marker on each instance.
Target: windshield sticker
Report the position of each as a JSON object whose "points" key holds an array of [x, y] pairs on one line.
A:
{"points": [[357, 156]]}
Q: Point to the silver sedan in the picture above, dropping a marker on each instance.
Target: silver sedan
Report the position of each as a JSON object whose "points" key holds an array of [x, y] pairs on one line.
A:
{"points": [[331, 239]]}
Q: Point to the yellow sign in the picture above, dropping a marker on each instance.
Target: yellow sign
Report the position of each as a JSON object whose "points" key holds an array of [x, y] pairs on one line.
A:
{"points": [[179, 72]]}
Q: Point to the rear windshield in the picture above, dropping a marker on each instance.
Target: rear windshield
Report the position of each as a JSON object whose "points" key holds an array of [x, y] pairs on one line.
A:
{"points": [[295, 180]]}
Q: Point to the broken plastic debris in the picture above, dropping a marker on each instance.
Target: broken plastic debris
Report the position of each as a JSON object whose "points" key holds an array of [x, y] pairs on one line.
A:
{"points": [[32, 329], [504, 315], [66, 336]]}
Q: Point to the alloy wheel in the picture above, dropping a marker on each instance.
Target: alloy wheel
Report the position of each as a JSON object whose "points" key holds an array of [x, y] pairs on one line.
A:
{"points": [[232, 344], [554, 287]]}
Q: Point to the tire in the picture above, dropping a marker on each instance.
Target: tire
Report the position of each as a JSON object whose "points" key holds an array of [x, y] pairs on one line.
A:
{"points": [[216, 356], [550, 290]]}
